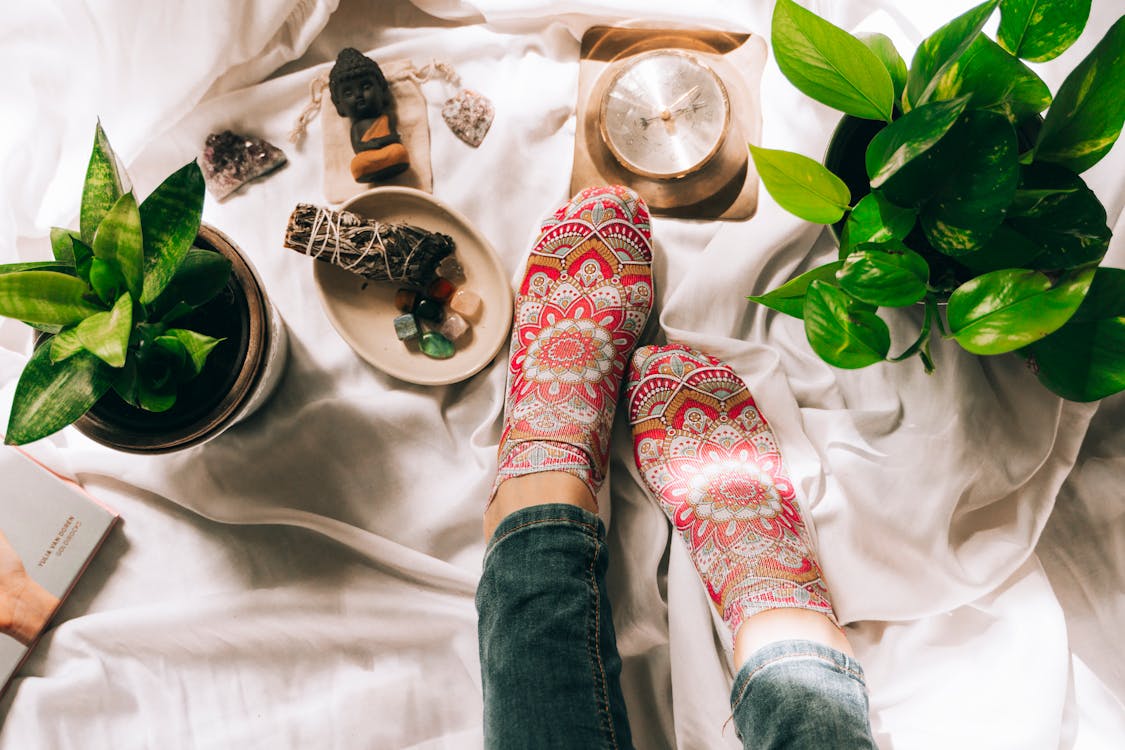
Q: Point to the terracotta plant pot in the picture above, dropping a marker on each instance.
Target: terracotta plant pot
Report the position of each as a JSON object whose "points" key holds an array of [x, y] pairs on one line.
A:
{"points": [[240, 375]]}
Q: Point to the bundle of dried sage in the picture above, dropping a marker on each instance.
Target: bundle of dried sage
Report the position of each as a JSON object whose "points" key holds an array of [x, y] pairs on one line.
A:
{"points": [[373, 249]]}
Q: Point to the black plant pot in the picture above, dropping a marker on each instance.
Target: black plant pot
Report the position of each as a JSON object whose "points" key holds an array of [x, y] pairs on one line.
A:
{"points": [[239, 376], [845, 159]]}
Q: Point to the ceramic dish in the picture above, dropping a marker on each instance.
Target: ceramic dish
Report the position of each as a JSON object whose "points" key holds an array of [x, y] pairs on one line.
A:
{"points": [[363, 312]]}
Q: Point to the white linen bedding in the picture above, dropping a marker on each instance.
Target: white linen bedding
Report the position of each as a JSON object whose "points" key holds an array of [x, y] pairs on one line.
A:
{"points": [[306, 580]]}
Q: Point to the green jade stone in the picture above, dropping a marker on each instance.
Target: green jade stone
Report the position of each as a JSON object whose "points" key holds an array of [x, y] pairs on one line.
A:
{"points": [[435, 345], [406, 327]]}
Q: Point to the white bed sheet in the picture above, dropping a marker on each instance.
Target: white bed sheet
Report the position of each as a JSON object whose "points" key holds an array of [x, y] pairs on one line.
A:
{"points": [[307, 579]]}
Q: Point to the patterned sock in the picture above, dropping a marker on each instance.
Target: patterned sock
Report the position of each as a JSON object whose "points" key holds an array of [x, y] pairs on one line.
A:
{"points": [[582, 304], [708, 456]]}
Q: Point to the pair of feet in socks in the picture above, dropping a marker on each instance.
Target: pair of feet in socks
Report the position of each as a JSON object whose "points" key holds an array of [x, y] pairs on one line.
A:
{"points": [[703, 449]]}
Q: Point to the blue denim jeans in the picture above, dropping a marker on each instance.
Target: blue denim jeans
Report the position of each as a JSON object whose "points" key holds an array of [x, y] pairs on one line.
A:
{"points": [[552, 674]]}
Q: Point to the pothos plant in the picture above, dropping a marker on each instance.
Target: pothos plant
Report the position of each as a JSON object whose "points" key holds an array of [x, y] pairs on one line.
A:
{"points": [[971, 197], [107, 306]]}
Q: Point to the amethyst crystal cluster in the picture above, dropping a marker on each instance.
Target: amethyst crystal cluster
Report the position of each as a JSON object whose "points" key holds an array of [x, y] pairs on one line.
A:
{"points": [[231, 160]]}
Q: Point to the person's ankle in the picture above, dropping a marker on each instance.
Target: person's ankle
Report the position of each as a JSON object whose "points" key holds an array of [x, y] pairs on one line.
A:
{"points": [[540, 488], [784, 624]]}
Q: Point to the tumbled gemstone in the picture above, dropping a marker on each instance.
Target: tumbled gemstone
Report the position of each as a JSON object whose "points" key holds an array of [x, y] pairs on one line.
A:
{"points": [[441, 289], [435, 345], [428, 309], [406, 327], [405, 299], [450, 268], [466, 303], [454, 327]]}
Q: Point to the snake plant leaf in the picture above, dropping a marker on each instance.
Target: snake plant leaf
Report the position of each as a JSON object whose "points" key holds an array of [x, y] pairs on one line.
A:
{"points": [[789, 298], [50, 396], [1085, 359], [106, 280], [39, 265], [125, 381], [802, 186], [83, 258], [1004, 310], [195, 347], [1086, 117], [170, 219], [46, 297], [201, 275], [884, 49], [103, 188], [106, 334], [938, 52], [994, 80], [1068, 227], [1041, 30], [970, 203], [65, 344], [62, 245], [842, 330], [910, 136], [888, 274], [156, 398], [876, 219], [829, 64], [118, 242]]}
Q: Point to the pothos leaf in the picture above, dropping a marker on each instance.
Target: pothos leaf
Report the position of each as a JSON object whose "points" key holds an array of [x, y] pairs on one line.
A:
{"points": [[1004, 310], [789, 298], [940, 50], [1041, 30], [843, 331], [801, 185], [1086, 117], [829, 64]]}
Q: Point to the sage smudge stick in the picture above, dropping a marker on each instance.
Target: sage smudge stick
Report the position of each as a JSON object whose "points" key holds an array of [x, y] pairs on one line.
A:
{"points": [[369, 248]]}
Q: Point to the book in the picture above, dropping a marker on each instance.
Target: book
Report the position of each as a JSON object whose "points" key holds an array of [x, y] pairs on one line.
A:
{"points": [[50, 529]]}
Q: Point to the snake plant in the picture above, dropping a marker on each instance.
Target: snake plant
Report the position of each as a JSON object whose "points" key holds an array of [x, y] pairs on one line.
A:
{"points": [[107, 306]]}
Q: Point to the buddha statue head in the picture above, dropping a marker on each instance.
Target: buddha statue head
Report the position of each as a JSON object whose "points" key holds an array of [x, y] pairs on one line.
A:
{"points": [[357, 86]]}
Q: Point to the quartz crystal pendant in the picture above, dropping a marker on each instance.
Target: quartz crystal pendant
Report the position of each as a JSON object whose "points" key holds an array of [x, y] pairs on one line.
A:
{"points": [[231, 160], [469, 115], [436, 346]]}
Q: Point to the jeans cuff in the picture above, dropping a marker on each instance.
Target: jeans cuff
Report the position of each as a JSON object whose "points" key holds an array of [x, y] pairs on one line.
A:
{"points": [[549, 514], [788, 652]]}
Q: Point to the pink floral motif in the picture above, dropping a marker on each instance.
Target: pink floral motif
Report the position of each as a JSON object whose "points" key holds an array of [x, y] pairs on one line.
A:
{"points": [[708, 456], [583, 302]]}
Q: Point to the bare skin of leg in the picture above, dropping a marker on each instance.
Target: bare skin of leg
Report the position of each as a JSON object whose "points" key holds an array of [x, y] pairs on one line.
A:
{"points": [[784, 624], [536, 489], [763, 628]]}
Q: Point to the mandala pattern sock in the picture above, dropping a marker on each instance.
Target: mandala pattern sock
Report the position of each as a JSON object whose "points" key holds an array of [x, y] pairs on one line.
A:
{"points": [[583, 302], [708, 456]]}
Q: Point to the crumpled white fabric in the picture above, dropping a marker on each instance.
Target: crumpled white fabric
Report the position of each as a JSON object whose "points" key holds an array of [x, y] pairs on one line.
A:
{"points": [[307, 579]]}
